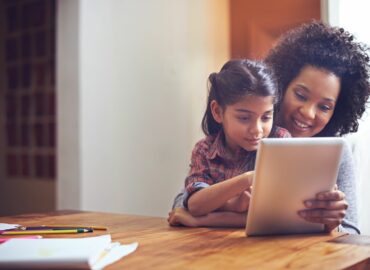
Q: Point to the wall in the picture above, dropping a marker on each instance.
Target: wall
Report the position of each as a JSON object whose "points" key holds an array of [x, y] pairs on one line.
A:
{"points": [[131, 94]]}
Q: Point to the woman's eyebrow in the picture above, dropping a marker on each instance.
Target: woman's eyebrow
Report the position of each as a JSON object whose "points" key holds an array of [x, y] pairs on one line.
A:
{"points": [[304, 87], [329, 100]]}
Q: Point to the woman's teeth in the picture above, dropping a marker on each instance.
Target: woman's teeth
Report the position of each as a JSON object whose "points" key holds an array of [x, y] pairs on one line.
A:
{"points": [[300, 124]]}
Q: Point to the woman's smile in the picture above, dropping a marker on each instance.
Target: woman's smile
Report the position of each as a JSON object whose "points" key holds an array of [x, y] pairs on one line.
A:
{"points": [[301, 125]]}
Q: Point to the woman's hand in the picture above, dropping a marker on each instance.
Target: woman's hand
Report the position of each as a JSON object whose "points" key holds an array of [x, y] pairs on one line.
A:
{"points": [[328, 208]]}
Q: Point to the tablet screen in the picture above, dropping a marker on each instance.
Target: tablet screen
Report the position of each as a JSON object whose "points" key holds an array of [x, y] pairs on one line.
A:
{"points": [[289, 171]]}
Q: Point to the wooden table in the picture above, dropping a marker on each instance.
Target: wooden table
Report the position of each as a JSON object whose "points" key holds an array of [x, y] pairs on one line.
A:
{"points": [[165, 247]]}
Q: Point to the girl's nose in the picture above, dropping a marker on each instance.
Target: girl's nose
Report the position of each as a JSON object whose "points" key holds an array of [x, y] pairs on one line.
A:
{"points": [[256, 129], [308, 111]]}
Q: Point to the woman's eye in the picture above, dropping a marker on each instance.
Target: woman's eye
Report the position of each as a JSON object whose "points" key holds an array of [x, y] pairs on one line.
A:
{"points": [[300, 96], [324, 108]]}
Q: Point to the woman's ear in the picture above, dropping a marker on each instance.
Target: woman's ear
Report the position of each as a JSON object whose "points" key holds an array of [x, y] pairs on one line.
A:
{"points": [[216, 111]]}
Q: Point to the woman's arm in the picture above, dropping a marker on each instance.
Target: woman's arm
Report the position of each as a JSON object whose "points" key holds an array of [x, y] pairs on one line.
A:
{"points": [[180, 216], [347, 184], [336, 207], [213, 197]]}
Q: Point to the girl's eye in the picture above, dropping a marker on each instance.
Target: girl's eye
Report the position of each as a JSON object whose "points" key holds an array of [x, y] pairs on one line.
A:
{"points": [[266, 118], [243, 118], [300, 96]]}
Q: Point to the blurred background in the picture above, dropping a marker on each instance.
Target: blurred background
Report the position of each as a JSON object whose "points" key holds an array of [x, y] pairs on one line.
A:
{"points": [[101, 101]]}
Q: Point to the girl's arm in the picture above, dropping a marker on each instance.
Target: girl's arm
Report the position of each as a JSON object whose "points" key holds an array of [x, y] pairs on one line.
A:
{"points": [[180, 216], [237, 204], [211, 198]]}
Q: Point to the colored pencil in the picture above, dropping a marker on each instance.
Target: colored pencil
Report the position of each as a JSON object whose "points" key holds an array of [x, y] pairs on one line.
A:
{"points": [[44, 232], [76, 226], [43, 228]]}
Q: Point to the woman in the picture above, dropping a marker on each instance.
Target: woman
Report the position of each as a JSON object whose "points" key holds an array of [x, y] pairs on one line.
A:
{"points": [[322, 75]]}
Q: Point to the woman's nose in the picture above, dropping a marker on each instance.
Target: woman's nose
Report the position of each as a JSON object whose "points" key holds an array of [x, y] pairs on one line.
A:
{"points": [[308, 111]]}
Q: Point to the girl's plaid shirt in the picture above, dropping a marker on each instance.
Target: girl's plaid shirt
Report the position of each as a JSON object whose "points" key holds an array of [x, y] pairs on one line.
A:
{"points": [[211, 163]]}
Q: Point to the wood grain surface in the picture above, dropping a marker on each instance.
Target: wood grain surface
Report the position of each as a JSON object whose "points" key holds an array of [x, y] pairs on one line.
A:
{"points": [[165, 247]]}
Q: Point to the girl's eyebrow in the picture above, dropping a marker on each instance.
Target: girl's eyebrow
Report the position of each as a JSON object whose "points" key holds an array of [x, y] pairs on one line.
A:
{"points": [[247, 111], [306, 89]]}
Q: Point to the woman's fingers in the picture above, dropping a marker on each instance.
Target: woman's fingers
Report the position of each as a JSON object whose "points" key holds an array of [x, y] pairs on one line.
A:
{"points": [[327, 204], [322, 214], [331, 226], [331, 219], [330, 223], [332, 200], [328, 208], [333, 195]]}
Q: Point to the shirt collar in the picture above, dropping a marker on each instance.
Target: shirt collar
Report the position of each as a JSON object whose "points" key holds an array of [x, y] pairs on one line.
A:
{"points": [[218, 148]]}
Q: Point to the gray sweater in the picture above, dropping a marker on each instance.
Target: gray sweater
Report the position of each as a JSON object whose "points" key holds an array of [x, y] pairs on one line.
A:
{"points": [[347, 183]]}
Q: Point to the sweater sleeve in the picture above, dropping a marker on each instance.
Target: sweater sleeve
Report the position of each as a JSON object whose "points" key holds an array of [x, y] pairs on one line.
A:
{"points": [[347, 184]]}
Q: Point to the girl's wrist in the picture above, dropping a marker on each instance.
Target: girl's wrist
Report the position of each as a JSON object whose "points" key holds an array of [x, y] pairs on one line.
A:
{"points": [[247, 179]]}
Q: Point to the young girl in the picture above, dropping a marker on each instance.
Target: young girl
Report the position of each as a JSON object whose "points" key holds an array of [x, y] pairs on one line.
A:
{"points": [[239, 114]]}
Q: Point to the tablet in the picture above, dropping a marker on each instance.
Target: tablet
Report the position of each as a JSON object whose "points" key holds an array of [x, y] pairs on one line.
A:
{"points": [[289, 171]]}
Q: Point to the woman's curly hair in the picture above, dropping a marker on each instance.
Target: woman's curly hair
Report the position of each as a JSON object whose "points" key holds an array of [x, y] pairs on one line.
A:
{"points": [[333, 49]]}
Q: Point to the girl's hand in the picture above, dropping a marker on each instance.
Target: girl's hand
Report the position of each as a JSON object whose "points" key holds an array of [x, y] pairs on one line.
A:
{"points": [[328, 208], [248, 176], [240, 203], [180, 216], [237, 204]]}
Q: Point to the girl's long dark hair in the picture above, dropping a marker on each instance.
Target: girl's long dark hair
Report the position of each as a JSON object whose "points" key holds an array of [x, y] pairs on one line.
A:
{"points": [[237, 79]]}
